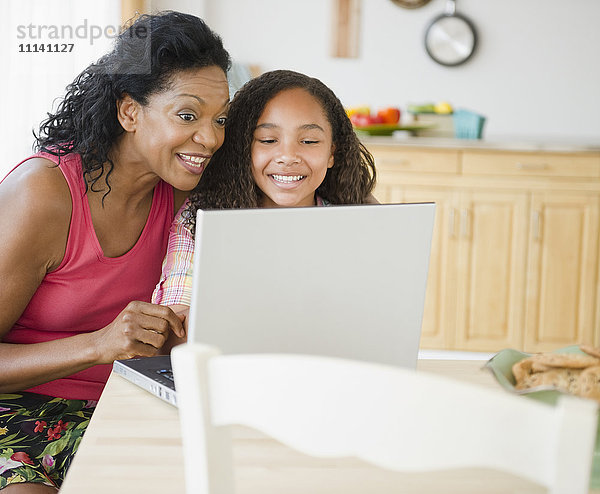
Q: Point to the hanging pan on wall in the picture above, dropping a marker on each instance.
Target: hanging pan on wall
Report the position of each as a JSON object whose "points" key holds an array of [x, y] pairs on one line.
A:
{"points": [[450, 38]]}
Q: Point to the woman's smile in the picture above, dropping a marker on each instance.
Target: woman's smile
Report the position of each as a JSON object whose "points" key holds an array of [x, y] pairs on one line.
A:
{"points": [[195, 163]]}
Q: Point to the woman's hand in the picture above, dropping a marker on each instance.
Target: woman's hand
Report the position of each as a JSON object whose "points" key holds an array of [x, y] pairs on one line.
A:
{"points": [[140, 330]]}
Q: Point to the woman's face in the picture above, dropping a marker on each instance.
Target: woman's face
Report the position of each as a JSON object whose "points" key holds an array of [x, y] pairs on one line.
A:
{"points": [[292, 149], [180, 128]]}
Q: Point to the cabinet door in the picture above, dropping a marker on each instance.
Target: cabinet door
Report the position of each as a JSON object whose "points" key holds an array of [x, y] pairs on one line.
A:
{"points": [[491, 270], [439, 316], [563, 259]]}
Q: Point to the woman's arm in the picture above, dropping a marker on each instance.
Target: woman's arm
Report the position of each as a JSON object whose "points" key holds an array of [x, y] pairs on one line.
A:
{"points": [[36, 211]]}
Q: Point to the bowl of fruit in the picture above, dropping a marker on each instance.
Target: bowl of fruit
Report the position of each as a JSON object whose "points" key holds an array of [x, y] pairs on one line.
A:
{"points": [[383, 122]]}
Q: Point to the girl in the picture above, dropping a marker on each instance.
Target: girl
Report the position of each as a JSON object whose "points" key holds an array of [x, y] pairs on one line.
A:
{"points": [[288, 143]]}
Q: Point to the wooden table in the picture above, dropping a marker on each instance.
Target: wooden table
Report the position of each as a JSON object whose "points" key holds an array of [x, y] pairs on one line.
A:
{"points": [[133, 445]]}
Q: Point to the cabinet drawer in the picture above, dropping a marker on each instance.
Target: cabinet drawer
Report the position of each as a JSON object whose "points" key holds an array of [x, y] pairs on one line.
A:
{"points": [[531, 164], [411, 160]]}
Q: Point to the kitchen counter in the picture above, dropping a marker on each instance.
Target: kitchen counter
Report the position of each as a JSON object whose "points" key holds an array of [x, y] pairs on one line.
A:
{"points": [[400, 139]]}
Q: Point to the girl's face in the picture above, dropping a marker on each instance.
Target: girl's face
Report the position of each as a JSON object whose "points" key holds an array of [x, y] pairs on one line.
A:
{"points": [[292, 149], [177, 132]]}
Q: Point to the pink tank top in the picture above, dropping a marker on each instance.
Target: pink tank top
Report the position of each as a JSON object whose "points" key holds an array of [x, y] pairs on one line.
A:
{"points": [[88, 290]]}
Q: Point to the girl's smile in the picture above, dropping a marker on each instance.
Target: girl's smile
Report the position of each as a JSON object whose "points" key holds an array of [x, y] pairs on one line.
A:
{"points": [[288, 179]]}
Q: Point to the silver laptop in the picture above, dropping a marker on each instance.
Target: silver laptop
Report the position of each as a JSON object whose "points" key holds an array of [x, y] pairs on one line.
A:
{"points": [[341, 281]]}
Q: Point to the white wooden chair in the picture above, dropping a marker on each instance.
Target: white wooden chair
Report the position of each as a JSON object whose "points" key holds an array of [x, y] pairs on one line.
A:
{"points": [[394, 418]]}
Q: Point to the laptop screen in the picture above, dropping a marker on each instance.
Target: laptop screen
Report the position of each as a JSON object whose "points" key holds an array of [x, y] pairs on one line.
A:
{"points": [[344, 281]]}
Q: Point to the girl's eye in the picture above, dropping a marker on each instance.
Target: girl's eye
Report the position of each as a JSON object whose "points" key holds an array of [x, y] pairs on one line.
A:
{"points": [[221, 121], [310, 141], [265, 139], [187, 117]]}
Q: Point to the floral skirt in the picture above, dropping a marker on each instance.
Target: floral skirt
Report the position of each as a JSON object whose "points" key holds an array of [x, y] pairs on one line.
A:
{"points": [[39, 436]]}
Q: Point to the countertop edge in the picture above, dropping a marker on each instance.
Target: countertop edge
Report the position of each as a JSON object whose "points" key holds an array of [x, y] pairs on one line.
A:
{"points": [[495, 144]]}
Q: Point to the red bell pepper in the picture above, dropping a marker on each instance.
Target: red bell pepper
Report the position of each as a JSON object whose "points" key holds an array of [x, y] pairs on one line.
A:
{"points": [[389, 115]]}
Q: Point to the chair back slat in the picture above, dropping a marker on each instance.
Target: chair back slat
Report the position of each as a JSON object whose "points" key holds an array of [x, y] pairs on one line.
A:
{"points": [[398, 419]]}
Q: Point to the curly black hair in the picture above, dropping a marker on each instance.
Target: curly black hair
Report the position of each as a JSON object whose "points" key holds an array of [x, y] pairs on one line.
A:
{"points": [[145, 57], [228, 182]]}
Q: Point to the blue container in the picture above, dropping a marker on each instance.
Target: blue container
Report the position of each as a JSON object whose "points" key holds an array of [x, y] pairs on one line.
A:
{"points": [[468, 125]]}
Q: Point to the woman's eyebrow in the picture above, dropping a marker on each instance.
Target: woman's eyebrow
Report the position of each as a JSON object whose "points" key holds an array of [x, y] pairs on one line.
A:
{"points": [[201, 100]]}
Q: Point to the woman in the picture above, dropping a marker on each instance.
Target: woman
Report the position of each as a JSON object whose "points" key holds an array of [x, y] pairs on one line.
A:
{"points": [[84, 229]]}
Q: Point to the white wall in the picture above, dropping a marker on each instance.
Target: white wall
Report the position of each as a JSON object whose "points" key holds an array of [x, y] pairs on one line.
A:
{"points": [[536, 73], [31, 83]]}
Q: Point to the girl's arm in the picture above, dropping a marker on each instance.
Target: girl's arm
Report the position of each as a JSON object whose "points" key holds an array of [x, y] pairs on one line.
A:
{"points": [[175, 286], [182, 311]]}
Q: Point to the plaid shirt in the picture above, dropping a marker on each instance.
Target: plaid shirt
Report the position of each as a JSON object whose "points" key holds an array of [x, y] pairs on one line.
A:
{"points": [[175, 285]]}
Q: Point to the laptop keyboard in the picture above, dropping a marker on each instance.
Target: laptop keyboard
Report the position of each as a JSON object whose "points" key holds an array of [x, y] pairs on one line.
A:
{"points": [[168, 373], [165, 376]]}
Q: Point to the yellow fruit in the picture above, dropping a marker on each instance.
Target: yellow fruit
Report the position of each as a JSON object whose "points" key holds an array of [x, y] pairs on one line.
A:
{"points": [[362, 110], [443, 108]]}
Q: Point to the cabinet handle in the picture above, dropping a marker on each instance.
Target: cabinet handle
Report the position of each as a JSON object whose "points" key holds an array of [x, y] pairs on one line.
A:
{"points": [[464, 222], [537, 225], [451, 221], [532, 166]]}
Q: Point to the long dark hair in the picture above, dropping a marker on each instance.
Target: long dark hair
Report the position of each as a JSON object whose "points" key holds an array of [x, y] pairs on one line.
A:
{"points": [[228, 182], [143, 61]]}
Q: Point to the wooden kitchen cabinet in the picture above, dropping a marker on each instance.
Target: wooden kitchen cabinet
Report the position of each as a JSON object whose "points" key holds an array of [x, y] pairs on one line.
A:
{"points": [[491, 269], [562, 274], [514, 259]]}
